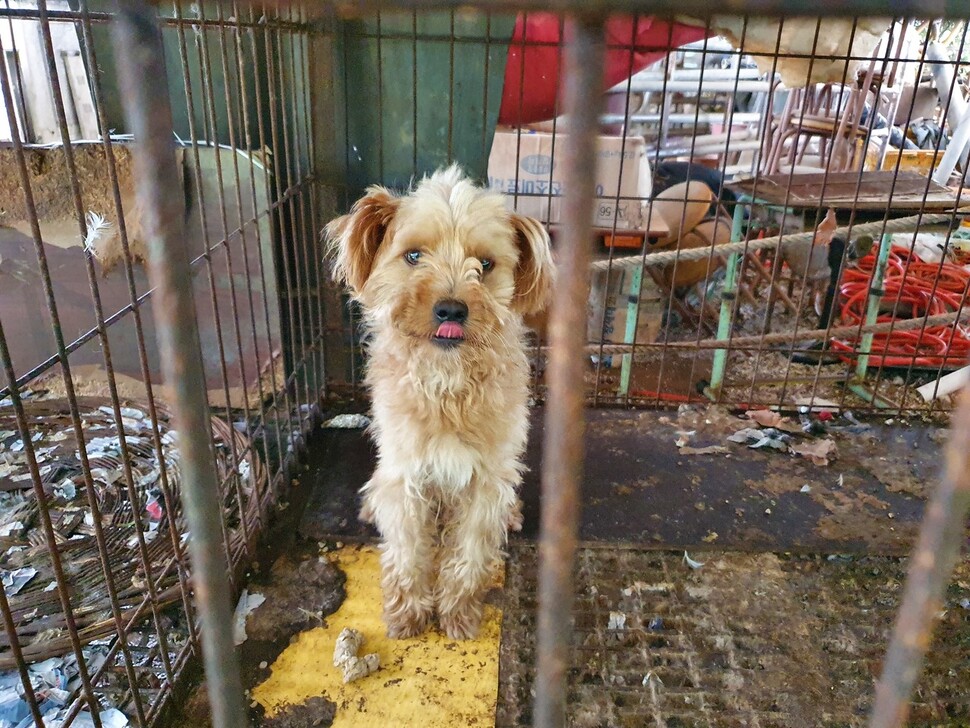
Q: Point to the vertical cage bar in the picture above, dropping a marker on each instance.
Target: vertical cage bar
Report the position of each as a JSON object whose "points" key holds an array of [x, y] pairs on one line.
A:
{"points": [[564, 423], [931, 564], [138, 40]]}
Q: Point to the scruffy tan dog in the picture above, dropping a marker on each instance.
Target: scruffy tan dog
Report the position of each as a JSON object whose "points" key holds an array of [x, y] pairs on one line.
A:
{"points": [[444, 276]]}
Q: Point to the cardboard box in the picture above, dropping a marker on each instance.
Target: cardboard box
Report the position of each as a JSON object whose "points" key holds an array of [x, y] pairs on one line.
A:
{"points": [[528, 168], [609, 310]]}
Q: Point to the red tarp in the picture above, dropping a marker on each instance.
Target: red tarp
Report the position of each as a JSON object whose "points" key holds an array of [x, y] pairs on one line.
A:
{"points": [[650, 38]]}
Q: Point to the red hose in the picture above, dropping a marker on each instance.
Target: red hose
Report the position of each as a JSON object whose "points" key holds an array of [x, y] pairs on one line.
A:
{"points": [[913, 289]]}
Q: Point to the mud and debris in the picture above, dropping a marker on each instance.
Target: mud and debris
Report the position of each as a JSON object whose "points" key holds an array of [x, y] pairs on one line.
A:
{"points": [[301, 589], [750, 639], [300, 594], [314, 713]]}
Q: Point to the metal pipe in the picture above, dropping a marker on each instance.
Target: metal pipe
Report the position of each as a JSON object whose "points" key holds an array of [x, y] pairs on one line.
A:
{"points": [[872, 306], [694, 74], [564, 423], [137, 37], [726, 318], [705, 117], [956, 107], [693, 88], [941, 534]]}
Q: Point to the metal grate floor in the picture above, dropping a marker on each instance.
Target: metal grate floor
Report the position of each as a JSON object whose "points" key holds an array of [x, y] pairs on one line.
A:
{"points": [[758, 640]]}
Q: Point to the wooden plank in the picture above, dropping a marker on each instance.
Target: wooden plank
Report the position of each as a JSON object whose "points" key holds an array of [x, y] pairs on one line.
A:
{"points": [[77, 81], [872, 190]]}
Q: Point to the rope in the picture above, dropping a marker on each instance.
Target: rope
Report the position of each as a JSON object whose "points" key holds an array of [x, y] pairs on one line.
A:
{"points": [[788, 337], [665, 257]]}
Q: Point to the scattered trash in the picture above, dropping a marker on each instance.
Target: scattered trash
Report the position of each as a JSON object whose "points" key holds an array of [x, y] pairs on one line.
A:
{"points": [[757, 439], [617, 621], [965, 603], [66, 490], [247, 603], [347, 422], [649, 677], [820, 452], [54, 681], [683, 437], [770, 418], [345, 656], [112, 718], [710, 450], [14, 581], [656, 624], [153, 506], [691, 563], [8, 529], [805, 488]]}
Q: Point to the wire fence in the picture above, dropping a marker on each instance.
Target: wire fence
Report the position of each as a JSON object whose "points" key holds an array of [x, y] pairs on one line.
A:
{"points": [[163, 366], [775, 217]]}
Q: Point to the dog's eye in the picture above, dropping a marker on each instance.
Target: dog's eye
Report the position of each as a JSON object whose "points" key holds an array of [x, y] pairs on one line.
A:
{"points": [[487, 264], [412, 256]]}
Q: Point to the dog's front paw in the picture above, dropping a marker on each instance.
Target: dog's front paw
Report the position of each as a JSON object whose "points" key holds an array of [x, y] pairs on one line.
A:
{"points": [[366, 513], [406, 624], [462, 624]]}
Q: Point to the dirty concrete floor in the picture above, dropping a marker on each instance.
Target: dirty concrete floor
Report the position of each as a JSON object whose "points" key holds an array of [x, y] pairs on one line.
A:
{"points": [[645, 483], [744, 640], [783, 625]]}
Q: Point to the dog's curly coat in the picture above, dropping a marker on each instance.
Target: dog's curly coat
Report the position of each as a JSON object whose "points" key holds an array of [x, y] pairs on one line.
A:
{"points": [[443, 276]]}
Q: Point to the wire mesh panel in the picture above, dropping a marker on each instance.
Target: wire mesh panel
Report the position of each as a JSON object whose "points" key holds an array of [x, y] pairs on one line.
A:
{"points": [[97, 604], [775, 215], [777, 200]]}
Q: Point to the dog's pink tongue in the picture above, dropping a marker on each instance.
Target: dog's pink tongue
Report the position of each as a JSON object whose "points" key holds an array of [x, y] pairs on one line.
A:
{"points": [[450, 330]]}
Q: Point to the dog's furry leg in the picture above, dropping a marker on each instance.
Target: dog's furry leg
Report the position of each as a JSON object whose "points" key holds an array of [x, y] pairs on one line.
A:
{"points": [[407, 554], [472, 545]]}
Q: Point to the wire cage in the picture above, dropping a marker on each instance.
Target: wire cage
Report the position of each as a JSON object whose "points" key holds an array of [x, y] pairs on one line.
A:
{"points": [[775, 207], [98, 605], [740, 114]]}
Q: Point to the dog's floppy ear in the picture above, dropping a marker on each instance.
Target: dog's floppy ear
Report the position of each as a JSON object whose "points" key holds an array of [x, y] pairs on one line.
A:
{"points": [[353, 239], [535, 272]]}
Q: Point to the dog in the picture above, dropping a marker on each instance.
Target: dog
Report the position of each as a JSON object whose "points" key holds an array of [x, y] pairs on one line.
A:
{"points": [[444, 275]]}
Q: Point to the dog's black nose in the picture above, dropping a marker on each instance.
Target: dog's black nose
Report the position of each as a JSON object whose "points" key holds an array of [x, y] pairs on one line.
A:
{"points": [[451, 310]]}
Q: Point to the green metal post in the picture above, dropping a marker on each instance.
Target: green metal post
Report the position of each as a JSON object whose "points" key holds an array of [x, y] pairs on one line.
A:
{"points": [[857, 385], [728, 297], [630, 335]]}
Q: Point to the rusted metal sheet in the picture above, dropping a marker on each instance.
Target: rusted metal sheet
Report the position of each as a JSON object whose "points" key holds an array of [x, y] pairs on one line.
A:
{"points": [[29, 337]]}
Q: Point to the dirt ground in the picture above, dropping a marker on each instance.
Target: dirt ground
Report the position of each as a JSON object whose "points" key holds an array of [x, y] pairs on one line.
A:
{"points": [[781, 619]]}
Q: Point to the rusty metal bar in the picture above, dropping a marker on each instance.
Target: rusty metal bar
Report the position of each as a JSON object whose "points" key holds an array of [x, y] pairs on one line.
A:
{"points": [[564, 422], [137, 37], [209, 116], [96, 90], [692, 8], [129, 479], [931, 564]]}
